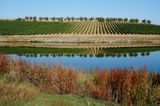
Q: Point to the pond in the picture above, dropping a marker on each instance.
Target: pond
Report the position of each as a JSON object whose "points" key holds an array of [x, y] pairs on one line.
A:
{"points": [[89, 58]]}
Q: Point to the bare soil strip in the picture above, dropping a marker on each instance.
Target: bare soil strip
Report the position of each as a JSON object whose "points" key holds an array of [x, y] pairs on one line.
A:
{"points": [[80, 41], [78, 38]]}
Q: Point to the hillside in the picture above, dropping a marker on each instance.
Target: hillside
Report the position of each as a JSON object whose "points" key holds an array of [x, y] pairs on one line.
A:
{"points": [[83, 27]]}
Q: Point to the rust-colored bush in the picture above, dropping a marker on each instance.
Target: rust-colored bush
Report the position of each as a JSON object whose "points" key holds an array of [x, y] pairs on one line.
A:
{"points": [[65, 80], [155, 77], [4, 61], [129, 86], [100, 87]]}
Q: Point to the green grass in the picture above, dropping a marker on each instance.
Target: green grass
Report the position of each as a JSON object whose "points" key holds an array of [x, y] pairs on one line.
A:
{"points": [[44, 99], [88, 27]]}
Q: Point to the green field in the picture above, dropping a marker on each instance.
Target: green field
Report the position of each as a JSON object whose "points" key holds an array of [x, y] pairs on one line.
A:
{"points": [[83, 27]]}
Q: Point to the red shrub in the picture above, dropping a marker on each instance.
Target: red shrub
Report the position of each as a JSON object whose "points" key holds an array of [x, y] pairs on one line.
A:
{"points": [[100, 87], [129, 86], [4, 61], [65, 80]]}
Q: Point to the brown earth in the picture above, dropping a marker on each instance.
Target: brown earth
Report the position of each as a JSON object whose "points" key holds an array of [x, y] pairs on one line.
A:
{"points": [[78, 38], [80, 41]]}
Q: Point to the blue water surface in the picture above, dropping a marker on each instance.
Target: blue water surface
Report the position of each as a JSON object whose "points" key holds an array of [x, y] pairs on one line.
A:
{"points": [[151, 61]]}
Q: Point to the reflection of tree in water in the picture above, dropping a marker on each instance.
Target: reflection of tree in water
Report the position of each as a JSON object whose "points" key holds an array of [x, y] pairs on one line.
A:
{"points": [[145, 54], [148, 53], [98, 52]]}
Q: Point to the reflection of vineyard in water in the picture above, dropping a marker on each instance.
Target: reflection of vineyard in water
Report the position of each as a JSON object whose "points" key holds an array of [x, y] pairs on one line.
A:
{"points": [[97, 52], [92, 58]]}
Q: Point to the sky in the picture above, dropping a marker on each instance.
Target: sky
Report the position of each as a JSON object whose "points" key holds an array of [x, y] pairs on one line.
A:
{"points": [[141, 9]]}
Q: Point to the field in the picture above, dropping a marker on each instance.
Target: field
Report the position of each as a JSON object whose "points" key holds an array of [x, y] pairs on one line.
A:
{"points": [[84, 27]]}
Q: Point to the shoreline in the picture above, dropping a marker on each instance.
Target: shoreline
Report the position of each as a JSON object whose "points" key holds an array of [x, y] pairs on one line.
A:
{"points": [[75, 38], [80, 41], [77, 45]]}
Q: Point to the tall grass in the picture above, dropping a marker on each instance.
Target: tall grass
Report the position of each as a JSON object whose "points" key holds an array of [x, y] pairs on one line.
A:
{"points": [[128, 86], [13, 92]]}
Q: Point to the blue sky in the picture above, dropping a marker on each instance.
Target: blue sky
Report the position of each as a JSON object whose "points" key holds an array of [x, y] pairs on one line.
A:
{"points": [[141, 9]]}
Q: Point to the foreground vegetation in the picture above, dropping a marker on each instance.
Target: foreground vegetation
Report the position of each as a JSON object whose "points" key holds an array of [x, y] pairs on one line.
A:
{"points": [[25, 94], [83, 27], [122, 86]]}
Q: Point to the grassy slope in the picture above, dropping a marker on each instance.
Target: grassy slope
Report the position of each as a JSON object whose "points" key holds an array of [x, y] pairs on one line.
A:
{"points": [[65, 100], [31, 28], [44, 99]]}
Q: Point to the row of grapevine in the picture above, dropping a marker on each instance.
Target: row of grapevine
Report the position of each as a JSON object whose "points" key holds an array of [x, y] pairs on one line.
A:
{"points": [[84, 27]]}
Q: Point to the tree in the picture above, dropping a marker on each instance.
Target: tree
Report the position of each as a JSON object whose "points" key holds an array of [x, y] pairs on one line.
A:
{"points": [[46, 18], [120, 19], [100, 19], [131, 20], [19, 19], [72, 18], [126, 20], [34, 18], [81, 18], [26, 18], [40, 18], [115, 19], [149, 21], [31, 18], [136, 20], [144, 21], [111, 19], [61, 19], [53, 18], [91, 19], [68, 18], [85, 18], [107, 19]]}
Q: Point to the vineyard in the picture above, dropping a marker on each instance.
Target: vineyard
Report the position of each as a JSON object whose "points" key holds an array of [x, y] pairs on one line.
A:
{"points": [[83, 27]]}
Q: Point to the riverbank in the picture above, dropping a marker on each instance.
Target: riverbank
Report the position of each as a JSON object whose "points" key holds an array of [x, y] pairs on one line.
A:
{"points": [[29, 95], [79, 38], [80, 41]]}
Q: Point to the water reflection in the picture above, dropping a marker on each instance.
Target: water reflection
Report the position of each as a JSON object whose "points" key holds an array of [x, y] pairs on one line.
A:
{"points": [[91, 58], [85, 55]]}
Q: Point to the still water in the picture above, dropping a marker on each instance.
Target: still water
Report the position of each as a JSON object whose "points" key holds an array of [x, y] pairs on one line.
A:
{"points": [[87, 62]]}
